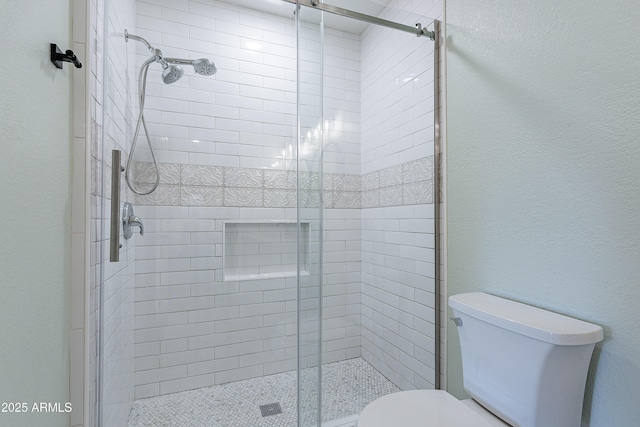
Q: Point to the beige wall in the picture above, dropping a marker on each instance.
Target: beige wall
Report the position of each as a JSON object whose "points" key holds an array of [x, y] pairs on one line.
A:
{"points": [[35, 207], [544, 174]]}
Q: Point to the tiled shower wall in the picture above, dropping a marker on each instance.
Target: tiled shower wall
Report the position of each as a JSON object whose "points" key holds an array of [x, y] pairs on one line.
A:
{"points": [[231, 158], [192, 328], [245, 115], [398, 267]]}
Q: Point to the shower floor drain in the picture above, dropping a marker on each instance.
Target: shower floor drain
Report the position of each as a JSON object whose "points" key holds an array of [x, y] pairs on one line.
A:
{"points": [[270, 409]]}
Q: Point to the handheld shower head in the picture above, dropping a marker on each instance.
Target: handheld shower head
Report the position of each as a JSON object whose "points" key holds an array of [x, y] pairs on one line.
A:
{"points": [[204, 67], [171, 73]]}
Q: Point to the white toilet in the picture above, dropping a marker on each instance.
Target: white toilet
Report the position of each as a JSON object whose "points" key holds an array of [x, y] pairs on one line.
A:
{"points": [[523, 366]]}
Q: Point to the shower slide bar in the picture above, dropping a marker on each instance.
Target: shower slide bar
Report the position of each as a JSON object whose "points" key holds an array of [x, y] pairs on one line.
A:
{"points": [[418, 30]]}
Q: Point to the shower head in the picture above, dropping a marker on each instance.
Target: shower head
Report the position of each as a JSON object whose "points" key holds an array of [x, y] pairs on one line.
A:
{"points": [[204, 67], [171, 73]]}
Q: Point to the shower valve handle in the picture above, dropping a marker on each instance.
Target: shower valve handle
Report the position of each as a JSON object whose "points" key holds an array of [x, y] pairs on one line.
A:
{"points": [[135, 221], [129, 221]]}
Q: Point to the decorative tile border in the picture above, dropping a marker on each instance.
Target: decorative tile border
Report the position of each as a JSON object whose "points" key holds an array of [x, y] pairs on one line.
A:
{"points": [[201, 196], [279, 179], [391, 176], [201, 175], [195, 185]]}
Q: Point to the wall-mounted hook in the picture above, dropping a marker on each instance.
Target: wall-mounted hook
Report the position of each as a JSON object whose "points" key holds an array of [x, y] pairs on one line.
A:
{"points": [[57, 57]]}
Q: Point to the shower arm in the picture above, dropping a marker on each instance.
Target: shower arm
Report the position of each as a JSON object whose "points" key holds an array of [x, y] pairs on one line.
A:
{"points": [[156, 52], [159, 57], [128, 36]]}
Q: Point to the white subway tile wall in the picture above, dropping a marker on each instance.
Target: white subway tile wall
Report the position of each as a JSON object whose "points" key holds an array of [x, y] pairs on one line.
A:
{"points": [[194, 329], [398, 267], [226, 147], [245, 115], [116, 103]]}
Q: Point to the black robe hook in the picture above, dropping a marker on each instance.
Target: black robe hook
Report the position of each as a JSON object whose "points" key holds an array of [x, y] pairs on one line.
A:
{"points": [[57, 57]]}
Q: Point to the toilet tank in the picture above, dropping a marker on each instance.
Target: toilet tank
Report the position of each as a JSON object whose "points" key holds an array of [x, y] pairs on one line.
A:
{"points": [[526, 365]]}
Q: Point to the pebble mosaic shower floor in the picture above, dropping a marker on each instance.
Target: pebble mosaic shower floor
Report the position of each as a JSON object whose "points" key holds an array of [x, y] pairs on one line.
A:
{"points": [[348, 386]]}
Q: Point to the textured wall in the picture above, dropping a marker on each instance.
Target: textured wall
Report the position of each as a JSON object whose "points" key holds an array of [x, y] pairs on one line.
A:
{"points": [[35, 164], [543, 155]]}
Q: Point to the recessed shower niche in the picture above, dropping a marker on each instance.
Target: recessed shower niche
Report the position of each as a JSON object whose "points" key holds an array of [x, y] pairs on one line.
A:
{"points": [[261, 250]]}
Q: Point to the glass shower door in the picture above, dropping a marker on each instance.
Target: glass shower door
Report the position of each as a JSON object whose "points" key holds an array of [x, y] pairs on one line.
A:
{"points": [[290, 234], [222, 301]]}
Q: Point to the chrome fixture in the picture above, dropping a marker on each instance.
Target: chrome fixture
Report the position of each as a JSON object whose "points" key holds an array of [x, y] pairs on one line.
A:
{"points": [[457, 321], [129, 221], [418, 30], [171, 73]]}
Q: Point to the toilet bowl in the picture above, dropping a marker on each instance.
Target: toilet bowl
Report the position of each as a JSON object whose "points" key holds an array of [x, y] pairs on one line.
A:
{"points": [[426, 408], [512, 357]]}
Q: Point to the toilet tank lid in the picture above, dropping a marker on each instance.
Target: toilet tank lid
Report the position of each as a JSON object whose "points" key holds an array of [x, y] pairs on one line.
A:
{"points": [[526, 320]]}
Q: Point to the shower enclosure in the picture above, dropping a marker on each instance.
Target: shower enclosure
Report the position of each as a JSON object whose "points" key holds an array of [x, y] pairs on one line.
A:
{"points": [[287, 270]]}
